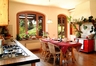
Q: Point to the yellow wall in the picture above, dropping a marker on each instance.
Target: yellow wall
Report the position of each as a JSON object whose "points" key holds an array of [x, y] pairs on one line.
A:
{"points": [[14, 8], [93, 8], [82, 9], [85, 9]]}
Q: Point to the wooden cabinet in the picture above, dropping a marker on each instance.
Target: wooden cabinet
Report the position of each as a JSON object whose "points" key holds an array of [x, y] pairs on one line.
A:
{"points": [[4, 12], [88, 45], [31, 44]]}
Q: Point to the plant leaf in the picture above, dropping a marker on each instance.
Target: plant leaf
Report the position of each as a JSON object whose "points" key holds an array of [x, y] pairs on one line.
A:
{"points": [[84, 27]]}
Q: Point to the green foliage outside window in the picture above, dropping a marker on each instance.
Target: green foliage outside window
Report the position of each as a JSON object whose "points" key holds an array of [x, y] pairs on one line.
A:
{"points": [[31, 30]]}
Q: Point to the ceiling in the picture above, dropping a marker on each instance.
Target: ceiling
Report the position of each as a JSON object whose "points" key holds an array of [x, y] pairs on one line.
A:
{"points": [[67, 4]]}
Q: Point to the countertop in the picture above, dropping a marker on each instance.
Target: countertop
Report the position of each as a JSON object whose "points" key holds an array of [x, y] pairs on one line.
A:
{"points": [[30, 58]]}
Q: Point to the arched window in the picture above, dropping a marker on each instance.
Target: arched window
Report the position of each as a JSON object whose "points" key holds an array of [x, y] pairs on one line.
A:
{"points": [[30, 23], [62, 26]]}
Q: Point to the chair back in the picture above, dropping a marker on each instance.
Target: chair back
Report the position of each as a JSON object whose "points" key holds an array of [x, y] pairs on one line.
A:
{"points": [[43, 44], [51, 48]]}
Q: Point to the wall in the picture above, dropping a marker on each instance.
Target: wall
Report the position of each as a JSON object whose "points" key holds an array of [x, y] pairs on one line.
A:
{"points": [[85, 9], [93, 8], [82, 9], [86, 32], [14, 8], [93, 12]]}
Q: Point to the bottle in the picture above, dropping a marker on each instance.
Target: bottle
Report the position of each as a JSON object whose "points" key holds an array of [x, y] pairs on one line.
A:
{"points": [[3, 40], [60, 39], [1, 48]]}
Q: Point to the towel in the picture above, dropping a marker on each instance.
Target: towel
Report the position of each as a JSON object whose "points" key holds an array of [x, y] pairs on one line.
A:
{"points": [[81, 41]]}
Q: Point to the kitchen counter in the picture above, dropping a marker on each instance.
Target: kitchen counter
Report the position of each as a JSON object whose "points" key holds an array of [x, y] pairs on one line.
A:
{"points": [[29, 59]]}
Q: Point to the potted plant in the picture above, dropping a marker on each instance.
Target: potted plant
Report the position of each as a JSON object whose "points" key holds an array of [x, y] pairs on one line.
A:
{"points": [[18, 37], [45, 34], [76, 22]]}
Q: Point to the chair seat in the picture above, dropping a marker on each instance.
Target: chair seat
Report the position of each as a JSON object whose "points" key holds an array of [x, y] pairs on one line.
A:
{"points": [[57, 53], [54, 51], [57, 49]]}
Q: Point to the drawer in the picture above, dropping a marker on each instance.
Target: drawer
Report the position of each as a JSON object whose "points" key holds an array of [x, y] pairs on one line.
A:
{"points": [[33, 46]]}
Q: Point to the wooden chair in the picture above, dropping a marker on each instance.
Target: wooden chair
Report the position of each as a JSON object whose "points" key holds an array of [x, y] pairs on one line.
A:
{"points": [[53, 53], [64, 57], [68, 55], [45, 50]]}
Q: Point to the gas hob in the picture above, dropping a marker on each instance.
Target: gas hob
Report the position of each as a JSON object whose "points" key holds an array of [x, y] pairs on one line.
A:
{"points": [[12, 51]]}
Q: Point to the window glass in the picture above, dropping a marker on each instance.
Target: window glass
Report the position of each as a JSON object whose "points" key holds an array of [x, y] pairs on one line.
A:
{"points": [[30, 24]]}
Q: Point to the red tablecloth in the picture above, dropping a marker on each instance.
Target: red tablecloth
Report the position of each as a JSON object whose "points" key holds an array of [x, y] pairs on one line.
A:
{"points": [[63, 45]]}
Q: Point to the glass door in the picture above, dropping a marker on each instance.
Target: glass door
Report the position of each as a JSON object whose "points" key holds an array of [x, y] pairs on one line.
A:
{"points": [[61, 26], [40, 25], [21, 25]]}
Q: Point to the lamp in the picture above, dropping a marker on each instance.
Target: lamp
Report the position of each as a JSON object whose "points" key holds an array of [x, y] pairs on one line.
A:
{"points": [[49, 20]]}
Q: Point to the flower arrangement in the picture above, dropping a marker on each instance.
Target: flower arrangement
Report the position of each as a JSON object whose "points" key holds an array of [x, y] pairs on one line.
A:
{"points": [[45, 34]]}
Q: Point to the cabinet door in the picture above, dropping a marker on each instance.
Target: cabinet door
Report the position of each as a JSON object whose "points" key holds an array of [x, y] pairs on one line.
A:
{"points": [[90, 45], [3, 12], [85, 46], [35, 44]]}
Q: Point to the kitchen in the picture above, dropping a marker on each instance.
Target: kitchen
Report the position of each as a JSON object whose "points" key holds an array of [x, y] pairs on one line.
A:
{"points": [[11, 51], [12, 17]]}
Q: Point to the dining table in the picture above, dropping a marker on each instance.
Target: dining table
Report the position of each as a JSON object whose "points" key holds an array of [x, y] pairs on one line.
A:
{"points": [[64, 46]]}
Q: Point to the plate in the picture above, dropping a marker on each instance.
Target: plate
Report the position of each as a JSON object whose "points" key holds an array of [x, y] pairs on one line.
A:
{"points": [[72, 42], [56, 41]]}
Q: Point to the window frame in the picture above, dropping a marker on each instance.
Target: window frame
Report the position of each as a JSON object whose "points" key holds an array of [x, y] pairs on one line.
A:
{"points": [[65, 23], [37, 15]]}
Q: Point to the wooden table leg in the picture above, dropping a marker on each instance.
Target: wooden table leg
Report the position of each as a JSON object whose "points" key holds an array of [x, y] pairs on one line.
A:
{"points": [[73, 57], [61, 55], [33, 64]]}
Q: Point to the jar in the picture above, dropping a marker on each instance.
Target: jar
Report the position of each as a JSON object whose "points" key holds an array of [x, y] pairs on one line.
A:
{"points": [[3, 40]]}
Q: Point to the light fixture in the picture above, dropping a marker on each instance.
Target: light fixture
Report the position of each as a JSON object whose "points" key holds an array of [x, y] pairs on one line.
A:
{"points": [[49, 20]]}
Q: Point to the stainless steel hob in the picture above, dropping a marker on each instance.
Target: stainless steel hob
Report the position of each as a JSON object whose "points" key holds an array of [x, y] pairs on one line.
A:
{"points": [[12, 51]]}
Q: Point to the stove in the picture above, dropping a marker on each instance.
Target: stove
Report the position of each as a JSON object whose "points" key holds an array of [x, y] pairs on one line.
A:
{"points": [[12, 51]]}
